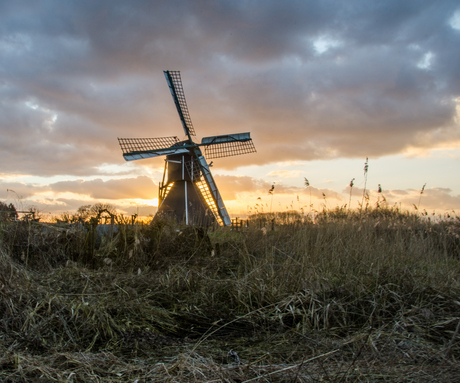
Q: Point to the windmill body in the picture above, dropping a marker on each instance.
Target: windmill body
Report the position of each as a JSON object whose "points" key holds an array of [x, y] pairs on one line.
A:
{"points": [[188, 191], [178, 196]]}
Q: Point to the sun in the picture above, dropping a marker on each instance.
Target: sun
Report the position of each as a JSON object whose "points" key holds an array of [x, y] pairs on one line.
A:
{"points": [[152, 202]]}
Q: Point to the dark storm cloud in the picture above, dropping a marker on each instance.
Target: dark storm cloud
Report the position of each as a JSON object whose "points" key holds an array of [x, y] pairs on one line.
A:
{"points": [[309, 79]]}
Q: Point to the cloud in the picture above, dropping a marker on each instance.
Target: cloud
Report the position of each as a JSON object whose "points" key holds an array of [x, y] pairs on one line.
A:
{"points": [[76, 75], [141, 187], [19, 190], [234, 187], [285, 173], [126, 195], [231, 186], [432, 199]]}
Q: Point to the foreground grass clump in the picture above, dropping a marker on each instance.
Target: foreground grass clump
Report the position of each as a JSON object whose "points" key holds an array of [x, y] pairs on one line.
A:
{"points": [[361, 296]]}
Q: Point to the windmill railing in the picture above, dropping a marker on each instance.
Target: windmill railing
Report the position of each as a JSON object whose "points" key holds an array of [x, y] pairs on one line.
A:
{"points": [[163, 191], [239, 224]]}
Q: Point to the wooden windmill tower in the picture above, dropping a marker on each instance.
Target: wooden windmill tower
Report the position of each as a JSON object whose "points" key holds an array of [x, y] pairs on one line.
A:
{"points": [[188, 191]]}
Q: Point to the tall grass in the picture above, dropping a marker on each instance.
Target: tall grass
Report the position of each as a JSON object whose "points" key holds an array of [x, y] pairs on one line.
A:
{"points": [[349, 295]]}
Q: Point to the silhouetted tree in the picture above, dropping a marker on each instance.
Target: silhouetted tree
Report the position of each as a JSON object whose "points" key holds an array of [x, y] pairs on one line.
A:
{"points": [[8, 212]]}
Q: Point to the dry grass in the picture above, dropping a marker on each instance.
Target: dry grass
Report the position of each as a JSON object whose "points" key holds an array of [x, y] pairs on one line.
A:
{"points": [[351, 297]]}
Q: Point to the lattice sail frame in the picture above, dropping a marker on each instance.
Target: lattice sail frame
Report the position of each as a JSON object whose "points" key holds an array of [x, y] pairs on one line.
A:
{"points": [[206, 194], [130, 145], [228, 145], [210, 198], [177, 91], [139, 148]]}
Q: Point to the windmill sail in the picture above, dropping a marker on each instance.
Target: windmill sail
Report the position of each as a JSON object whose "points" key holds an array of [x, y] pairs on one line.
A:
{"points": [[228, 145], [201, 175], [139, 148], [177, 92]]}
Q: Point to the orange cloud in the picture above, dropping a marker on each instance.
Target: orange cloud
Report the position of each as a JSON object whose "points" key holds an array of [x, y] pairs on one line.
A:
{"points": [[141, 187]]}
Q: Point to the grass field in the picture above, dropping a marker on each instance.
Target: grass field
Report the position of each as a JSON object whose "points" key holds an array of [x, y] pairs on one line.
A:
{"points": [[362, 297]]}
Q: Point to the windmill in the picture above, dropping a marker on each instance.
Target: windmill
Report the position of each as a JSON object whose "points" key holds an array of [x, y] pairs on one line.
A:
{"points": [[188, 191]]}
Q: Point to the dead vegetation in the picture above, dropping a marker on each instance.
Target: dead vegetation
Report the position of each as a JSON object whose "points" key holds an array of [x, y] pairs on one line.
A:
{"points": [[349, 297]]}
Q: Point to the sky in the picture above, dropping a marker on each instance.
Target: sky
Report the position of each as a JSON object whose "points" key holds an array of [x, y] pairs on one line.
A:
{"points": [[320, 85]]}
